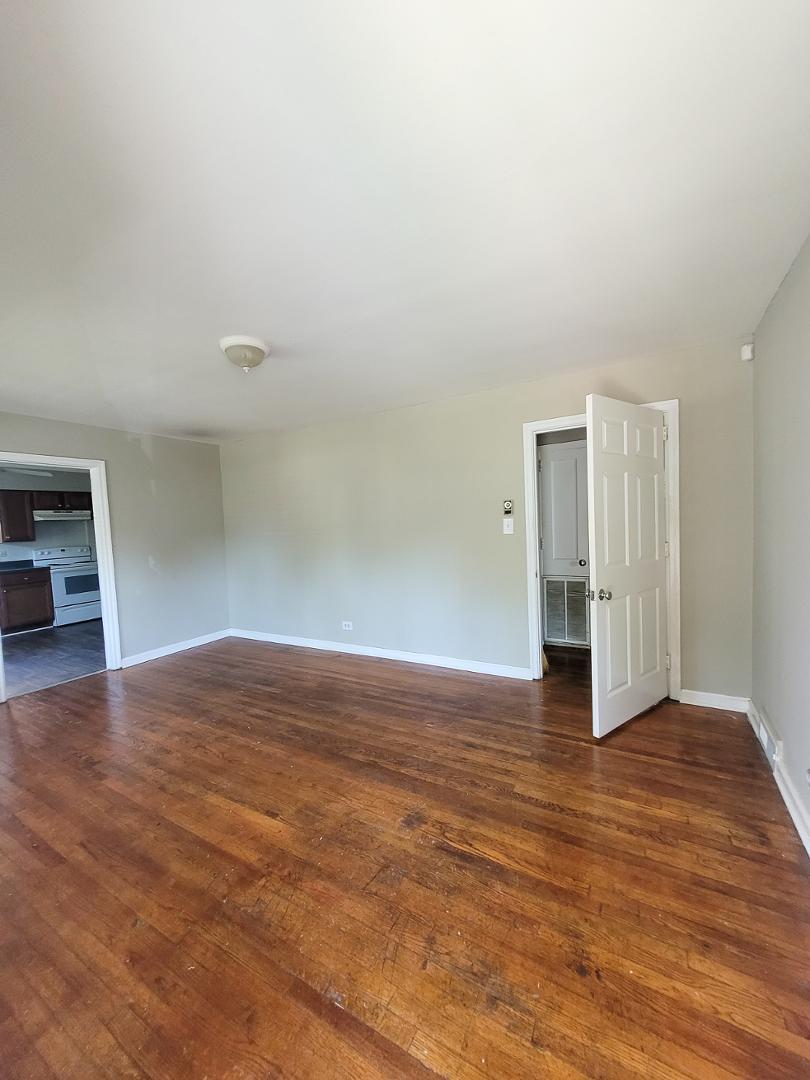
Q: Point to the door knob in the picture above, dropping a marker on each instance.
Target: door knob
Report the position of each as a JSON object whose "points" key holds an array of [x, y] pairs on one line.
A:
{"points": [[582, 562], [605, 594]]}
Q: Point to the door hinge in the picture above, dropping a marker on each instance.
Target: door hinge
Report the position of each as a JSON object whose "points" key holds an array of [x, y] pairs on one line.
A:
{"points": [[541, 543], [666, 433], [669, 662], [666, 549]]}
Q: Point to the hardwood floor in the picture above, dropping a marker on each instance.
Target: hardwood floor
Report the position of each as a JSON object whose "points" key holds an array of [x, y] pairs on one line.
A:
{"points": [[572, 665], [43, 658], [256, 861]]}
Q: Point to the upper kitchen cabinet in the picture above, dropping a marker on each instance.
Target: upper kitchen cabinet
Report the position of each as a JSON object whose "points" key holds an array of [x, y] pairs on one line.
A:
{"points": [[78, 500], [62, 500], [16, 516], [48, 500]]}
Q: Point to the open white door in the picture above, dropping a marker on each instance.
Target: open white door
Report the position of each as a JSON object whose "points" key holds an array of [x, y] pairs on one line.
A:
{"points": [[626, 508]]}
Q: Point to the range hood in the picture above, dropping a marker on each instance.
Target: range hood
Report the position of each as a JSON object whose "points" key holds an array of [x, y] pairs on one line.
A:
{"points": [[62, 515]]}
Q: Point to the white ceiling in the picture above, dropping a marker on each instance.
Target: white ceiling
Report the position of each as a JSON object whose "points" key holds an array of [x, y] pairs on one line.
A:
{"points": [[407, 200]]}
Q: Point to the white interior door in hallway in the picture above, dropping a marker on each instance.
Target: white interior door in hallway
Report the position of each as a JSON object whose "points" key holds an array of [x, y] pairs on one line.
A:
{"points": [[564, 540], [564, 502]]}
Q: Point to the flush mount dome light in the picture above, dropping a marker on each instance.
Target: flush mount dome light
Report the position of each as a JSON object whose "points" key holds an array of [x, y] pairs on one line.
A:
{"points": [[246, 352]]}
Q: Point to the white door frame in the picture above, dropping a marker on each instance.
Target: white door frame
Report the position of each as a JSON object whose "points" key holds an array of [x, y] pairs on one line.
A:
{"points": [[104, 549], [673, 519]]}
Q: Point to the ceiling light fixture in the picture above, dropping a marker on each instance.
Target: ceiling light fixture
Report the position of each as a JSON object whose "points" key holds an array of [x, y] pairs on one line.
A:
{"points": [[246, 352]]}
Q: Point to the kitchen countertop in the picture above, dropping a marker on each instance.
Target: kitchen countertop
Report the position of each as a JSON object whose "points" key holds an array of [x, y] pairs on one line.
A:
{"points": [[17, 566]]}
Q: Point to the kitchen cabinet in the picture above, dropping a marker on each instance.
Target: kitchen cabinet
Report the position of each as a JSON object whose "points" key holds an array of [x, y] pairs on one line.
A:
{"points": [[26, 599], [16, 516], [47, 500], [17, 510], [78, 500], [62, 500]]}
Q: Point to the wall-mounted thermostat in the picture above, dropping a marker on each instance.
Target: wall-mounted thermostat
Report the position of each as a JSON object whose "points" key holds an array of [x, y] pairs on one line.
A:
{"points": [[507, 507]]}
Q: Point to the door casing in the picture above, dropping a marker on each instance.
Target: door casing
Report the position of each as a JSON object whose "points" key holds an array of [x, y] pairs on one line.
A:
{"points": [[533, 578]]}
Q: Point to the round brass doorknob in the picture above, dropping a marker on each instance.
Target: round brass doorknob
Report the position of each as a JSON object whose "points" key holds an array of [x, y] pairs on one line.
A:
{"points": [[605, 594]]}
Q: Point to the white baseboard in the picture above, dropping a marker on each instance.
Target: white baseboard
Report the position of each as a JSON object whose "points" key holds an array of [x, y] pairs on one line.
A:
{"points": [[715, 701], [766, 734], [178, 646], [796, 809], [767, 737], [502, 670]]}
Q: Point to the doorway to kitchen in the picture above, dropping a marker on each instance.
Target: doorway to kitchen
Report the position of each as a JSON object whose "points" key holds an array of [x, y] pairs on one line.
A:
{"points": [[58, 611]]}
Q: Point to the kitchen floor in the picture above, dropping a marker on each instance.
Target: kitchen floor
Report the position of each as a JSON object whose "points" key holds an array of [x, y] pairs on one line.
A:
{"points": [[43, 658]]}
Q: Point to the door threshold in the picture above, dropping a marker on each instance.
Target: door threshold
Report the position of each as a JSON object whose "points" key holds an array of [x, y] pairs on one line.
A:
{"points": [[30, 630]]}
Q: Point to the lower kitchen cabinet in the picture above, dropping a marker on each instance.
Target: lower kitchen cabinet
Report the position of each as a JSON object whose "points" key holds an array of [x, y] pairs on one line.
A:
{"points": [[26, 600]]}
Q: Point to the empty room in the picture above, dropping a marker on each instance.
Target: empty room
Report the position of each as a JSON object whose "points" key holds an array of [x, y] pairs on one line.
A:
{"points": [[404, 490]]}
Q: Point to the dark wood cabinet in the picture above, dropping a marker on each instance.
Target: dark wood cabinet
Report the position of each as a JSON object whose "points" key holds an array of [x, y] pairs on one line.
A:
{"points": [[26, 599], [62, 500], [78, 500], [16, 516], [17, 510], [47, 500]]}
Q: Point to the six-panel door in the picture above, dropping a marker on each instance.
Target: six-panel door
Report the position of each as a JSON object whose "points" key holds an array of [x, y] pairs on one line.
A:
{"points": [[627, 491]]}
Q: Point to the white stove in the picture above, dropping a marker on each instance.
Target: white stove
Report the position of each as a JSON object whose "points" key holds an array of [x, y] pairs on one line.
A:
{"points": [[74, 581], [62, 556]]}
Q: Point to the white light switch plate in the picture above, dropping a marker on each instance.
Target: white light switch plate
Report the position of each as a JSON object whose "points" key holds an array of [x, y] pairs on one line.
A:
{"points": [[508, 525]]}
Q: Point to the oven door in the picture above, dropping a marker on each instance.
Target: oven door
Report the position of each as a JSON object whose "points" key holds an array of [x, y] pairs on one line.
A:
{"points": [[75, 585]]}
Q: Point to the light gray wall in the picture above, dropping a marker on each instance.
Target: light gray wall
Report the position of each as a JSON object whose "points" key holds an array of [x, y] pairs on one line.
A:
{"points": [[167, 526], [782, 520], [394, 520]]}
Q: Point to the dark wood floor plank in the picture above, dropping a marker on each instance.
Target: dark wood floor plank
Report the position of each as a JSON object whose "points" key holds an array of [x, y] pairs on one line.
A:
{"points": [[260, 861]]}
